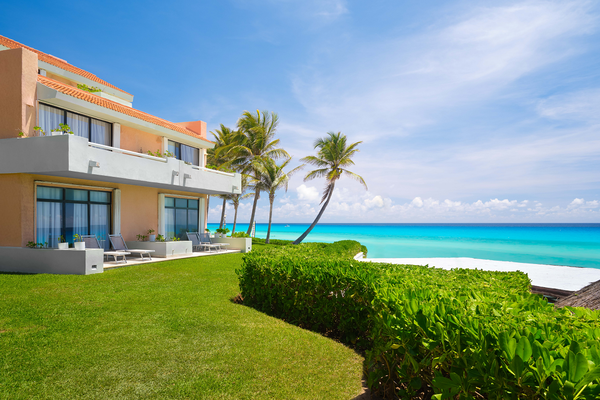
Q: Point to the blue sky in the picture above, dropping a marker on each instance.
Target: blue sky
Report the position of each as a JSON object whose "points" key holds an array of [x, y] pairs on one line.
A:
{"points": [[468, 111]]}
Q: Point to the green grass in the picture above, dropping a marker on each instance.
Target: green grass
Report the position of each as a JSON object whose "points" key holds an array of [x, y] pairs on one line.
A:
{"points": [[165, 330]]}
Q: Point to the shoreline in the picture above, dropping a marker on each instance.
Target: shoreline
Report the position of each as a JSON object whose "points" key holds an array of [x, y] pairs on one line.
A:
{"points": [[543, 275]]}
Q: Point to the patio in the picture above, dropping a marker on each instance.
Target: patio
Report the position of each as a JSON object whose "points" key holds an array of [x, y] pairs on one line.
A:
{"points": [[136, 261]]}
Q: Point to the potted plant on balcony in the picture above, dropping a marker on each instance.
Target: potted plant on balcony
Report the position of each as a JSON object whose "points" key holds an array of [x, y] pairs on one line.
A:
{"points": [[78, 242], [62, 130], [39, 131], [62, 243], [151, 235], [222, 232]]}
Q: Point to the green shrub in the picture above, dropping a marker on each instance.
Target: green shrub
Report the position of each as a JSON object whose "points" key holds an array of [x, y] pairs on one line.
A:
{"points": [[457, 334], [275, 242], [240, 235]]}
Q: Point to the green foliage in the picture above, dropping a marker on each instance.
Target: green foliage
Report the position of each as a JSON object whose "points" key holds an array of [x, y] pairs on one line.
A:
{"points": [[62, 128], [223, 230], [160, 155], [458, 334], [275, 242], [91, 89], [160, 238], [240, 235], [39, 130], [141, 238], [77, 238], [34, 245]]}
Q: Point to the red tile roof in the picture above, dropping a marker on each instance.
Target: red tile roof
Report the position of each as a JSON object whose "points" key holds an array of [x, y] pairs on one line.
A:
{"points": [[57, 62], [113, 105]]}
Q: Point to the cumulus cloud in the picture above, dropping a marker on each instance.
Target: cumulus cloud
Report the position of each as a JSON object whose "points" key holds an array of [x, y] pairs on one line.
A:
{"points": [[307, 193]]}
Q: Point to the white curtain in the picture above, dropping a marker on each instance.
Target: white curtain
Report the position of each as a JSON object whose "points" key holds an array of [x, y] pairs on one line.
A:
{"points": [[99, 223], [75, 220], [79, 124], [49, 221], [50, 117], [100, 132], [190, 154]]}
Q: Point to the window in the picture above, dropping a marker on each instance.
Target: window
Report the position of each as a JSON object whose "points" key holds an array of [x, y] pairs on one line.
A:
{"points": [[66, 212], [181, 216], [184, 152], [94, 130]]}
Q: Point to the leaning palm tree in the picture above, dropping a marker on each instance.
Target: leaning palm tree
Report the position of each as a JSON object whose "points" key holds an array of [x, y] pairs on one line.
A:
{"points": [[254, 143], [333, 156], [271, 178]]}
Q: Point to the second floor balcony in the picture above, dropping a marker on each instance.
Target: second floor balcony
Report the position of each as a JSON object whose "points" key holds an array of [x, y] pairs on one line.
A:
{"points": [[72, 156]]}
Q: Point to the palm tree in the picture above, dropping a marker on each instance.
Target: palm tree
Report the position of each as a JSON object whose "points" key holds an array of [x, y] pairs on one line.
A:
{"points": [[254, 143], [217, 157], [333, 156], [235, 200], [271, 178]]}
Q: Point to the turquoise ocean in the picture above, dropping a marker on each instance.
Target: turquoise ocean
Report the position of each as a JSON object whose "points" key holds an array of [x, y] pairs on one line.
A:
{"points": [[576, 245]]}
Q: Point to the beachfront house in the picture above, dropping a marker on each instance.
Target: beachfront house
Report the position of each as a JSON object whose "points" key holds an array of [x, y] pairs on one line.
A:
{"points": [[96, 176]]}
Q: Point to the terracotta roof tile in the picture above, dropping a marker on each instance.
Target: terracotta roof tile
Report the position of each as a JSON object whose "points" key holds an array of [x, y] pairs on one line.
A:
{"points": [[113, 105], [57, 62]]}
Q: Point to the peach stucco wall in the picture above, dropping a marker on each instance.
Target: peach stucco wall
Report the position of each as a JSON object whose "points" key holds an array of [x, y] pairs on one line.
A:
{"points": [[197, 126], [136, 140], [139, 206], [18, 79]]}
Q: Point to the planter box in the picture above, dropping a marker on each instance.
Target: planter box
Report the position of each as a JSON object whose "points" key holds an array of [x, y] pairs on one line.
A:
{"points": [[164, 249], [51, 261], [242, 244]]}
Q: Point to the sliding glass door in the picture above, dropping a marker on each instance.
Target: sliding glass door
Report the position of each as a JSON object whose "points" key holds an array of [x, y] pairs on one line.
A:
{"points": [[67, 212], [181, 216]]}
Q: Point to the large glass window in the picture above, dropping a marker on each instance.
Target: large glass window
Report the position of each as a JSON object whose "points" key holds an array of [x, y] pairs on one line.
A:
{"points": [[181, 216], [66, 212], [184, 152], [94, 130]]}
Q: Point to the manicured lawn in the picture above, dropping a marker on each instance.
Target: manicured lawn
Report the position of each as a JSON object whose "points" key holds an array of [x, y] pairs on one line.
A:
{"points": [[165, 330]]}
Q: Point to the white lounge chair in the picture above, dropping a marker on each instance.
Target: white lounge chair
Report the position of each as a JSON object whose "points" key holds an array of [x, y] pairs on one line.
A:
{"points": [[118, 243], [205, 241], [91, 242]]}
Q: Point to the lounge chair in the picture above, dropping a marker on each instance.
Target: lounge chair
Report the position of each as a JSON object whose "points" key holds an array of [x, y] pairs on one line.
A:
{"points": [[91, 242], [118, 243], [205, 241], [196, 245]]}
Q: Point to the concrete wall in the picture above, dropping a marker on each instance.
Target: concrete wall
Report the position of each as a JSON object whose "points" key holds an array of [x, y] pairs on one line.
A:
{"points": [[163, 249], [51, 261], [242, 244], [18, 80], [16, 210]]}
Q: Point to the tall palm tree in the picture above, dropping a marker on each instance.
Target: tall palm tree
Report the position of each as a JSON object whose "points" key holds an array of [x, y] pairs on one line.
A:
{"points": [[271, 178], [255, 142], [333, 156], [217, 157]]}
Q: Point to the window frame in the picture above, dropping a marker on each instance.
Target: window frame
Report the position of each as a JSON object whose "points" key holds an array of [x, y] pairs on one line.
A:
{"points": [[63, 205], [65, 111], [177, 154], [187, 209]]}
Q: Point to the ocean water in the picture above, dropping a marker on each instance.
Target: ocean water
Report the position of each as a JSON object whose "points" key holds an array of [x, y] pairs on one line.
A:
{"points": [[575, 245]]}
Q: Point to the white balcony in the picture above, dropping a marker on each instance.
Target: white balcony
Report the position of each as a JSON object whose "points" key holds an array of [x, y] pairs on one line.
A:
{"points": [[74, 157]]}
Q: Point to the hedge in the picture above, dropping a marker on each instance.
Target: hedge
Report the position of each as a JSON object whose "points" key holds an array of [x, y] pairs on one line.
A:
{"points": [[427, 332]]}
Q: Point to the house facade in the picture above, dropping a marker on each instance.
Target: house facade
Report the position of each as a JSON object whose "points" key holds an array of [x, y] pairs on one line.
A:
{"points": [[99, 179]]}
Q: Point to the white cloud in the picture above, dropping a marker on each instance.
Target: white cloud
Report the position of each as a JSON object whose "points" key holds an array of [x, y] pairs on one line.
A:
{"points": [[581, 105], [308, 193]]}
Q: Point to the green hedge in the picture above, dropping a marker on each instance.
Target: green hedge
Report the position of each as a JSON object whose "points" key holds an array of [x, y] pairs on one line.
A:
{"points": [[460, 334]]}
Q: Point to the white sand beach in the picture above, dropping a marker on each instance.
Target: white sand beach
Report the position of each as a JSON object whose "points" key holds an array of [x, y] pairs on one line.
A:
{"points": [[550, 276]]}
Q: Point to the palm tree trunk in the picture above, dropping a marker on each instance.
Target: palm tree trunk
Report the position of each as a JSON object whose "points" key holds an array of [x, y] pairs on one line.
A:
{"points": [[310, 228], [234, 218], [270, 217], [256, 196], [223, 212]]}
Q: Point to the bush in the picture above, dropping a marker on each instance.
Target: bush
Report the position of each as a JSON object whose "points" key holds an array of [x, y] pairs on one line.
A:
{"points": [[240, 235], [430, 332]]}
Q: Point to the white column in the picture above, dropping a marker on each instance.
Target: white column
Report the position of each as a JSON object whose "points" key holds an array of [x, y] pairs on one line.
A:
{"points": [[161, 215], [116, 139], [116, 206], [165, 145], [202, 215], [202, 158]]}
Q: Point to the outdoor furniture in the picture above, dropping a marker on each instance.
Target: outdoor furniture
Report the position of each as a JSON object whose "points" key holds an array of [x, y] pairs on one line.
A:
{"points": [[118, 243], [205, 241], [193, 237], [91, 242]]}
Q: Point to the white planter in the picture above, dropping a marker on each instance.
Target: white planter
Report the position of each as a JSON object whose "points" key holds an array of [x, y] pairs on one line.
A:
{"points": [[242, 244], [57, 133], [164, 249], [152, 238], [79, 245], [63, 246]]}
